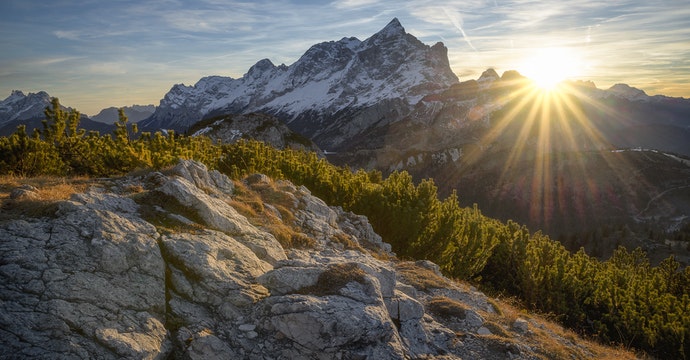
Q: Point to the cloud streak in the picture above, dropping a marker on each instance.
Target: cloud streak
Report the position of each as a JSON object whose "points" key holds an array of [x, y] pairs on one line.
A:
{"points": [[103, 53], [456, 19]]}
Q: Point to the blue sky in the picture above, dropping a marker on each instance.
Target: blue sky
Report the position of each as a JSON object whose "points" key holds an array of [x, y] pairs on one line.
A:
{"points": [[93, 54]]}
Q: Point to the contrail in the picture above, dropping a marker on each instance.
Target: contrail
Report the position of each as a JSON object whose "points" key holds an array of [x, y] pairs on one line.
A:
{"points": [[458, 24]]}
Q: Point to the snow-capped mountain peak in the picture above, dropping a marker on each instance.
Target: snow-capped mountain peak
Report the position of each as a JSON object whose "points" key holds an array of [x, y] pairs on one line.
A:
{"points": [[19, 106], [393, 30], [324, 90], [628, 92], [15, 96]]}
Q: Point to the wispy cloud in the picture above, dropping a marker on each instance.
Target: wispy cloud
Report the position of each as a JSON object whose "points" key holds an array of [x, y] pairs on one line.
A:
{"points": [[456, 19], [98, 48], [354, 4]]}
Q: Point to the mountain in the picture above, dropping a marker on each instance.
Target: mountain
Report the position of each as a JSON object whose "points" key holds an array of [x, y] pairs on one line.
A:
{"points": [[392, 103], [336, 92], [187, 264], [135, 113], [355, 97], [555, 163], [18, 106], [231, 128], [20, 109]]}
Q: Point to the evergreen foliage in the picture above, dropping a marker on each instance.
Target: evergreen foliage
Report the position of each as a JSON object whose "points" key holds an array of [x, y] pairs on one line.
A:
{"points": [[623, 300], [62, 148]]}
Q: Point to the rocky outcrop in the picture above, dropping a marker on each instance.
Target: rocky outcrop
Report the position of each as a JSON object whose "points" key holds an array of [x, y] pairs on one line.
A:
{"points": [[162, 266], [230, 128], [89, 283]]}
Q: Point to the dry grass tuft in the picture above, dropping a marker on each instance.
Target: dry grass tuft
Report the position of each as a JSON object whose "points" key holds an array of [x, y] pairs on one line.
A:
{"points": [[447, 308], [49, 190], [420, 277], [267, 206], [334, 278], [347, 242], [497, 330]]}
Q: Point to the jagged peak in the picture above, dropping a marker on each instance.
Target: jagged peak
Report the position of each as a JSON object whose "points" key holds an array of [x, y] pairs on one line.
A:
{"points": [[260, 67], [626, 90], [489, 75], [350, 42], [17, 93], [509, 75], [393, 29]]}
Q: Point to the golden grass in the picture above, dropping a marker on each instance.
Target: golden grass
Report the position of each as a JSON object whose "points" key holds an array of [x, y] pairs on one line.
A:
{"points": [[251, 201], [335, 277], [447, 308], [49, 187], [49, 191], [420, 277], [549, 339], [347, 242]]}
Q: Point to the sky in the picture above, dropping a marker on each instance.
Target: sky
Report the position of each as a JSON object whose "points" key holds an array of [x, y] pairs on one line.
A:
{"points": [[94, 54]]}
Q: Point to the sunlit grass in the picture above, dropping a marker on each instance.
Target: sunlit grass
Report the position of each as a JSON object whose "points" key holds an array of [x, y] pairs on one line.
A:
{"points": [[43, 200]]}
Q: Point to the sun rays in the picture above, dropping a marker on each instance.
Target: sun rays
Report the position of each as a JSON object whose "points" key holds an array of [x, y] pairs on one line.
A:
{"points": [[548, 140], [549, 67]]}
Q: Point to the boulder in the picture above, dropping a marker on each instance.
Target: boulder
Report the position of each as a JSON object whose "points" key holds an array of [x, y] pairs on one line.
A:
{"points": [[24, 192], [334, 322], [521, 325], [197, 173], [219, 215]]}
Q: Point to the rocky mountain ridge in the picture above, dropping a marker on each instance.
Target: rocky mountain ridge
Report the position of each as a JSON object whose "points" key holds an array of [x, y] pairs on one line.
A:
{"points": [[18, 106], [164, 265], [28, 109], [135, 113], [229, 129], [332, 94]]}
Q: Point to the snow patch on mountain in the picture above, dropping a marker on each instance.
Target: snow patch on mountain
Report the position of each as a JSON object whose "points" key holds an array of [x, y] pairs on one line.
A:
{"points": [[18, 106], [628, 92], [348, 75]]}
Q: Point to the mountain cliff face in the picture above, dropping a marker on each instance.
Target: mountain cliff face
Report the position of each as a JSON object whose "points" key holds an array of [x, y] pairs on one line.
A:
{"points": [[336, 91], [163, 266]]}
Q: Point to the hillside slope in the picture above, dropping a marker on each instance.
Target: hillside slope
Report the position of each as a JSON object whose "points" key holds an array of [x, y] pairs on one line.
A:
{"points": [[188, 264]]}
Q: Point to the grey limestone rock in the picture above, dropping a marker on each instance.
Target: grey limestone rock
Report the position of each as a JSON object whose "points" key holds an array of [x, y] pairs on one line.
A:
{"points": [[219, 215], [89, 283], [98, 281]]}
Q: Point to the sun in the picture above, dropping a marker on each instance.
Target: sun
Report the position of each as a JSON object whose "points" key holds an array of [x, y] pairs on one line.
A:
{"points": [[548, 67]]}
